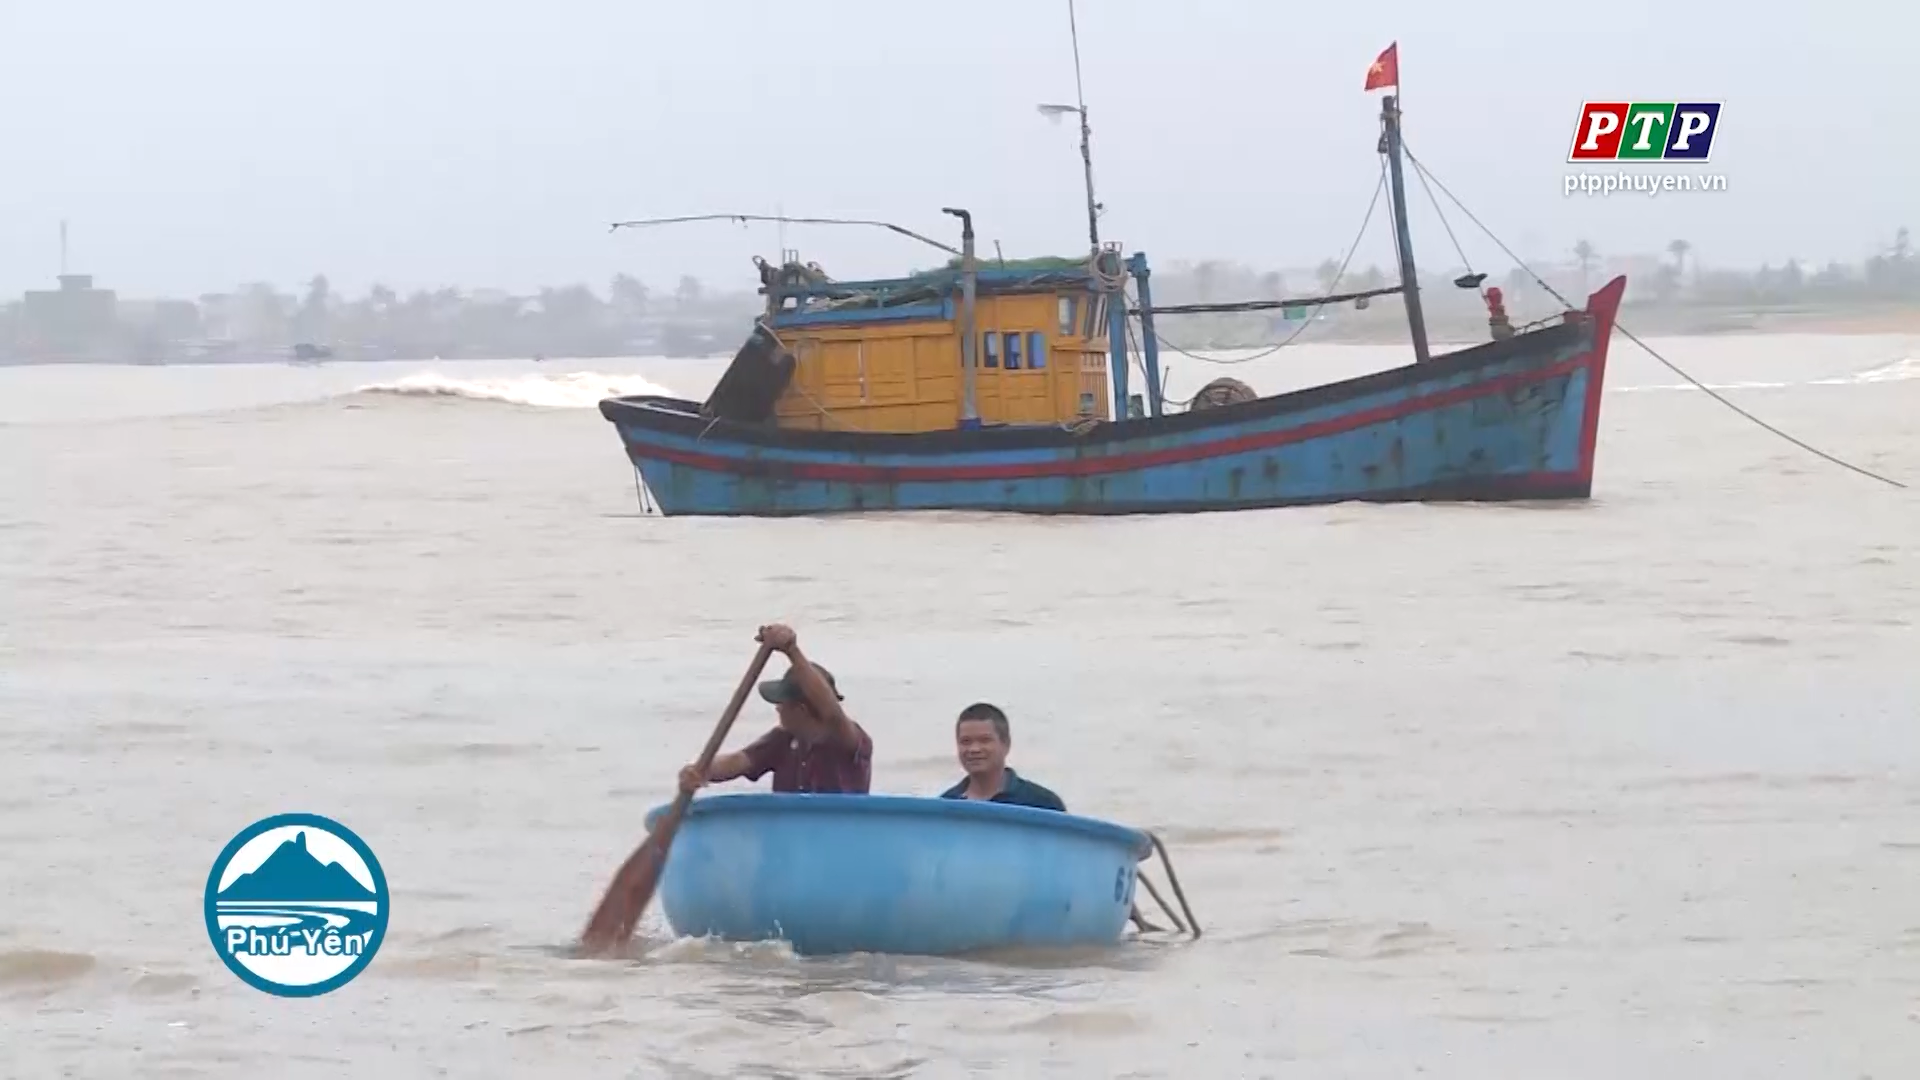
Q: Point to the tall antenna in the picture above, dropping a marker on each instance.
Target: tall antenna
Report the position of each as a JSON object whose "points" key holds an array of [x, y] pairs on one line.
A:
{"points": [[1086, 130], [1079, 88]]}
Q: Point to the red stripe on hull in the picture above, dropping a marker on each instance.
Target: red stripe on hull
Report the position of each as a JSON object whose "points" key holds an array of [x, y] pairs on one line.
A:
{"points": [[1173, 455]]}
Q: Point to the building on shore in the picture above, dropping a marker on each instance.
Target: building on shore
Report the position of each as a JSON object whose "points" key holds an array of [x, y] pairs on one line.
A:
{"points": [[73, 322]]}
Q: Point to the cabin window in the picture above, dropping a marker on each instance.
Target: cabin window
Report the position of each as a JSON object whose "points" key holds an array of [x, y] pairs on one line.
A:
{"points": [[990, 349], [1069, 315], [1036, 351], [1013, 352]]}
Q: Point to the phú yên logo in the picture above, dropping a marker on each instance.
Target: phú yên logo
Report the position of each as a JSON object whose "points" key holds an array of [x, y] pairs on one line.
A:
{"points": [[296, 905], [1645, 131]]}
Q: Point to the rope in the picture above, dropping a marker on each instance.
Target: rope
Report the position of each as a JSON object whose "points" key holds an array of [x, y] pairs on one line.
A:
{"points": [[1116, 282], [1137, 359], [1372, 204], [766, 325], [1239, 306], [1183, 404], [1650, 350], [1421, 174], [1715, 395], [824, 411], [640, 489]]}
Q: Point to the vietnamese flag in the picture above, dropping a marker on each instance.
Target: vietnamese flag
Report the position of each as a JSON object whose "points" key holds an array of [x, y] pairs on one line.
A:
{"points": [[1386, 69]]}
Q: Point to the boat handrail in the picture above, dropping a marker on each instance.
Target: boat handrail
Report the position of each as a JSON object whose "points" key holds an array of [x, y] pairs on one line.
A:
{"points": [[1190, 925]]}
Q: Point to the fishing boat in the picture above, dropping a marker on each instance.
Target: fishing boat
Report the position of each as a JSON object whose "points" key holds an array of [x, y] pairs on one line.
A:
{"points": [[832, 874], [1006, 387]]}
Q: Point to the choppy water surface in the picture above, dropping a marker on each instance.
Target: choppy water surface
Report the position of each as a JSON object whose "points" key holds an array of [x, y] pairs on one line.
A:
{"points": [[1629, 788]]}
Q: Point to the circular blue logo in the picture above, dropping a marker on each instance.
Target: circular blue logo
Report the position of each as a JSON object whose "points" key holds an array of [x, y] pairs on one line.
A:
{"points": [[296, 905]]}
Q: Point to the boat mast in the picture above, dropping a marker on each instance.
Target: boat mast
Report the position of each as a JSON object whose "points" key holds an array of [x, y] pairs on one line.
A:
{"points": [[969, 338], [1402, 237], [1086, 133], [1108, 273], [1079, 108]]}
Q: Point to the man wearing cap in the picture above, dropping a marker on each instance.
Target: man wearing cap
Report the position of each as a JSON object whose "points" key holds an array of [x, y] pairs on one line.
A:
{"points": [[816, 748]]}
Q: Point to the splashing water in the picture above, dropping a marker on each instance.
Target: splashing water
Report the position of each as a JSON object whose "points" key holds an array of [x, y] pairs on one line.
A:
{"points": [[573, 390], [1905, 369]]}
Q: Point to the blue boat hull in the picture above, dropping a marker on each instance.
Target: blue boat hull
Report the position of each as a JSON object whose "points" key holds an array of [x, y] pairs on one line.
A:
{"points": [[1512, 419], [889, 874]]}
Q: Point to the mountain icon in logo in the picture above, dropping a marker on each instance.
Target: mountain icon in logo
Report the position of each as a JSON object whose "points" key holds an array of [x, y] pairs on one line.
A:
{"points": [[292, 873], [296, 905]]}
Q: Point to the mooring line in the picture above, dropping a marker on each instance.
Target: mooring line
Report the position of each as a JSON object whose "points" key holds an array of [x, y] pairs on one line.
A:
{"points": [[1716, 395], [1650, 351]]}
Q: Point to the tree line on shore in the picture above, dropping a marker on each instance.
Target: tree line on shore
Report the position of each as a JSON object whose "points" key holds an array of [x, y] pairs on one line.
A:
{"points": [[627, 317]]}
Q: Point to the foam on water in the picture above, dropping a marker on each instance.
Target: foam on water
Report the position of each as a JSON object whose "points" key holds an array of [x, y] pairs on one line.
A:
{"points": [[573, 390], [1904, 369]]}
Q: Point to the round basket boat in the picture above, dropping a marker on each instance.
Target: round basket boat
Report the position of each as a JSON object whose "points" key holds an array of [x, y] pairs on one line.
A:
{"points": [[896, 874]]}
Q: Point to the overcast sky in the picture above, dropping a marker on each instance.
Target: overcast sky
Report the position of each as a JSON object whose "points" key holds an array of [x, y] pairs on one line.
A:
{"points": [[197, 144]]}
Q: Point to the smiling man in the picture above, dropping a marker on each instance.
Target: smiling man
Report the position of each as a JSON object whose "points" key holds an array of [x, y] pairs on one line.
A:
{"points": [[981, 738]]}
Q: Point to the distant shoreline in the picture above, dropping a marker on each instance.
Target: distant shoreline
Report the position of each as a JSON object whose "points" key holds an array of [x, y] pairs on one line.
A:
{"points": [[1383, 328], [567, 363], [1446, 329]]}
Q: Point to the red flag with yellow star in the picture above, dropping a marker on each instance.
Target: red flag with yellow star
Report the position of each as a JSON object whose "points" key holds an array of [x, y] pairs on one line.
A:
{"points": [[1386, 69]]}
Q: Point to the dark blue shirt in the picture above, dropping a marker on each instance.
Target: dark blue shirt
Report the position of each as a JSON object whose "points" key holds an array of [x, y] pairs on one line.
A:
{"points": [[1017, 791]]}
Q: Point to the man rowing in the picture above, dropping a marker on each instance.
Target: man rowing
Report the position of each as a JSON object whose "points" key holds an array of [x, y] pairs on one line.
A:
{"points": [[814, 748]]}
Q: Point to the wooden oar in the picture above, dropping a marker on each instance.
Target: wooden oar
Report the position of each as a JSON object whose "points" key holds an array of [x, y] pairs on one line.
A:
{"points": [[633, 884]]}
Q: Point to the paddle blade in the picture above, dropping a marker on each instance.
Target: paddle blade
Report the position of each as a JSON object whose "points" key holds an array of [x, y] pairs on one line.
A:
{"points": [[626, 899]]}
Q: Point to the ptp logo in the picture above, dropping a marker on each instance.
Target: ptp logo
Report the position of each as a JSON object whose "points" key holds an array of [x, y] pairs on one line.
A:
{"points": [[1645, 131]]}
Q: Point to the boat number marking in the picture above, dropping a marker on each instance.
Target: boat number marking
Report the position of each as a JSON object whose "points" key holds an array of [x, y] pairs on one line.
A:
{"points": [[1122, 884]]}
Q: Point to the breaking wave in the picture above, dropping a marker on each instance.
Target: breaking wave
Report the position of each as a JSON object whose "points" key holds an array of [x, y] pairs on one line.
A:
{"points": [[574, 390], [1905, 369]]}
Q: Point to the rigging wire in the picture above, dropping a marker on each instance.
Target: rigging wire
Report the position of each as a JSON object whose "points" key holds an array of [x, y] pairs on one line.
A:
{"points": [[1234, 307], [1360, 236], [1441, 214], [1136, 354], [783, 220], [1650, 350], [1079, 87]]}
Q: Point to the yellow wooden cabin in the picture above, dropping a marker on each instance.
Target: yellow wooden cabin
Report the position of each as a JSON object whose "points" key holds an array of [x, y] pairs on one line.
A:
{"points": [[888, 356]]}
